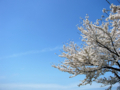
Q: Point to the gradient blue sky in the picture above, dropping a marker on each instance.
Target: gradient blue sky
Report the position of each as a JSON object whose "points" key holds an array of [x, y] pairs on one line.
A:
{"points": [[31, 31]]}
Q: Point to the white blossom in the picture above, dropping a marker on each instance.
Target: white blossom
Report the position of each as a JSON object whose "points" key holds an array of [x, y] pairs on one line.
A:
{"points": [[104, 10], [100, 54]]}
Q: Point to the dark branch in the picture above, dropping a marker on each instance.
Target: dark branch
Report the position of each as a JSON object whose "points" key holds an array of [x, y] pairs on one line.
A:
{"points": [[116, 75], [107, 13], [118, 64], [93, 70], [108, 67], [118, 1], [101, 45], [108, 2], [113, 46], [115, 59]]}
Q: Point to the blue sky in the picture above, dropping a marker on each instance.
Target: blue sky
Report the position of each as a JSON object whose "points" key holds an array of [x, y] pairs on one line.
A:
{"points": [[31, 32]]}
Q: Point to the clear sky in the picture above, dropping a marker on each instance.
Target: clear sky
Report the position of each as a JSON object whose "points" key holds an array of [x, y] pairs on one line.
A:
{"points": [[31, 32]]}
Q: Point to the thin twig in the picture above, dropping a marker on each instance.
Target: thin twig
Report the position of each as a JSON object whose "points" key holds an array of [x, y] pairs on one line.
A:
{"points": [[108, 2], [118, 1], [107, 13]]}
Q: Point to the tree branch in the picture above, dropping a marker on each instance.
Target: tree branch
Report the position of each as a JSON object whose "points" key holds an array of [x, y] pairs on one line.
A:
{"points": [[113, 46], [108, 67], [108, 2], [118, 64], [118, 1], [115, 59], [101, 45], [116, 74]]}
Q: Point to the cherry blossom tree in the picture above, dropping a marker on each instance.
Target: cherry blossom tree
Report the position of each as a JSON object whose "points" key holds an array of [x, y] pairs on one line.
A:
{"points": [[101, 51]]}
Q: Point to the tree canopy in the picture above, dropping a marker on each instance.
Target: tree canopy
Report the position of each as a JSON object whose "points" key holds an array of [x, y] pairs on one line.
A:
{"points": [[101, 51]]}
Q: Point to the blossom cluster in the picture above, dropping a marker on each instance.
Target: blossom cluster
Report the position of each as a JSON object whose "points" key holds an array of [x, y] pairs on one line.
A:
{"points": [[100, 54]]}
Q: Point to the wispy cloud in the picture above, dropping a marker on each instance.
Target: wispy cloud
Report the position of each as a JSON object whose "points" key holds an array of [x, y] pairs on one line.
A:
{"points": [[35, 86], [32, 52], [48, 87]]}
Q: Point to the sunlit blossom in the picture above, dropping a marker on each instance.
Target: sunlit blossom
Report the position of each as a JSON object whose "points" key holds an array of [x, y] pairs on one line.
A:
{"points": [[100, 54]]}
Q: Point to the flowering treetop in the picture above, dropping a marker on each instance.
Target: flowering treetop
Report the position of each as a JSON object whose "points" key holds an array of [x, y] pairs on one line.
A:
{"points": [[100, 54]]}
